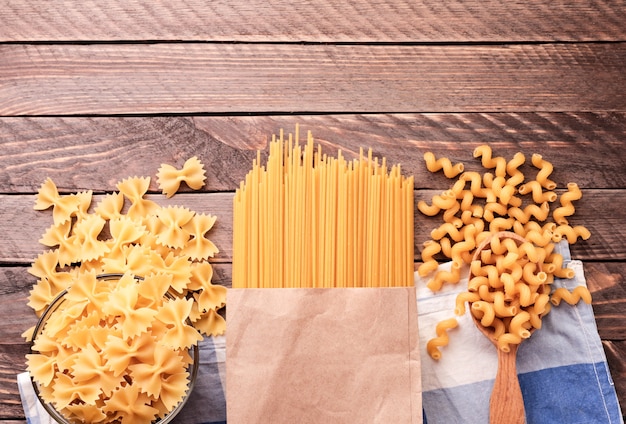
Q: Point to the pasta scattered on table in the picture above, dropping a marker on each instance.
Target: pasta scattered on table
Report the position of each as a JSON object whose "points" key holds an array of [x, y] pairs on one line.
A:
{"points": [[507, 277], [117, 350], [192, 173]]}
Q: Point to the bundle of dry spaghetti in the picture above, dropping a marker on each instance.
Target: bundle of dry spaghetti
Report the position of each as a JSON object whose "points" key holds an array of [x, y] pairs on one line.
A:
{"points": [[309, 220]]}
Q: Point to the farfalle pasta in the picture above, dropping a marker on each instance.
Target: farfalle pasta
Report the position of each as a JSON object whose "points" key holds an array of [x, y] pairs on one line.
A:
{"points": [[117, 350], [169, 227], [134, 189], [198, 246], [192, 173], [479, 205], [63, 207]]}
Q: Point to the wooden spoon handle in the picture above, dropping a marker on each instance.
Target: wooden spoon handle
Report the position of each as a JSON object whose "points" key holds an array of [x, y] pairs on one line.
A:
{"points": [[506, 405]]}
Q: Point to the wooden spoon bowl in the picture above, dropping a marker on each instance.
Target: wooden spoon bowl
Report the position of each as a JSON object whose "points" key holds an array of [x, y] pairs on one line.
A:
{"points": [[506, 405]]}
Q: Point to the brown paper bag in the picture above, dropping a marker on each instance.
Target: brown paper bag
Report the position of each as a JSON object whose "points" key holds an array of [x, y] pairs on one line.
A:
{"points": [[338, 355]]}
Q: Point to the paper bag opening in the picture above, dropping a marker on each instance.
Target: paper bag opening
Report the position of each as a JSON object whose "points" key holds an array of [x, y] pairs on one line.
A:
{"points": [[337, 355]]}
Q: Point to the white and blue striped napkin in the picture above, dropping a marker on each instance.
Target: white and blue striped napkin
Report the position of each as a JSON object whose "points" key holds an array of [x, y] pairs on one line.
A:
{"points": [[562, 368]]}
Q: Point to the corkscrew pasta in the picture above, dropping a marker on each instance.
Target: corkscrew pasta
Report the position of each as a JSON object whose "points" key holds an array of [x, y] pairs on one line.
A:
{"points": [[571, 233], [434, 165], [480, 204], [429, 263], [567, 207], [442, 339], [545, 169], [573, 297], [499, 163]]}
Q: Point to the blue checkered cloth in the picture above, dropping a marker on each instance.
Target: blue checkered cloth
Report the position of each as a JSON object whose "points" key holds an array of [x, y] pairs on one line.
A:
{"points": [[562, 368]]}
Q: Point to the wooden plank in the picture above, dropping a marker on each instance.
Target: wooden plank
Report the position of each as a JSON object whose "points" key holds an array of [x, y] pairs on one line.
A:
{"points": [[584, 147], [321, 21], [16, 316], [70, 79], [23, 227], [607, 283], [616, 358]]}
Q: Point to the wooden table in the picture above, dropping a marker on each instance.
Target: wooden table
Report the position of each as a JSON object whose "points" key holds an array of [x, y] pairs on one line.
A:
{"points": [[95, 91]]}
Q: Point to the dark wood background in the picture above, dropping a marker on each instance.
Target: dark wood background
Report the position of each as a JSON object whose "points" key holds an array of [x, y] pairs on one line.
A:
{"points": [[95, 91]]}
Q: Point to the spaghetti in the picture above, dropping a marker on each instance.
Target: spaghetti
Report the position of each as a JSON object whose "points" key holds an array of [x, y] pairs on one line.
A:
{"points": [[305, 219]]}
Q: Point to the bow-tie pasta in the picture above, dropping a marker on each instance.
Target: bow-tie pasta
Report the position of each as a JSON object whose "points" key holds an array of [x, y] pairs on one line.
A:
{"points": [[192, 173], [117, 349]]}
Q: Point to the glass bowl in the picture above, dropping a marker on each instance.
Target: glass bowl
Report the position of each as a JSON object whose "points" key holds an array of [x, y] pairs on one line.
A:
{"points": [[57, 305]]}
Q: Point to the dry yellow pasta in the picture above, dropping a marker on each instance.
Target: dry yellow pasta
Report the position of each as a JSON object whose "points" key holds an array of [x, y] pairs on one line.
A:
{"points": [[484, 311], [573, 297], [445, 200], [545, 169], [192, 173], [539, 212], [479, 205], [539, 196], [516, 176], [502, 308], [434, 165], [541, 239], [442, 339], [117, 349], [476, 283], [475, 180], [516, 325], [499, 163], [504, 192], [571, 233], [447, 229], [453, 276], [500, 224], [506, 339], [431, 248], [567, 207], [328, 222], [556, 260], [462, 298]]}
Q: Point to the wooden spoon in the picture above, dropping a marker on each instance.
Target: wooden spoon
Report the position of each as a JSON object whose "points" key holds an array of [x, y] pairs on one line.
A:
{"points": [[506, 405]]}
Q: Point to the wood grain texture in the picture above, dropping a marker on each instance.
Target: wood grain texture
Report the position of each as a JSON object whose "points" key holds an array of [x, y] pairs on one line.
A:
{"points": [[94, 153], [402, 77], [22, 226], [607, 283], [70, 79], [319, 21]]}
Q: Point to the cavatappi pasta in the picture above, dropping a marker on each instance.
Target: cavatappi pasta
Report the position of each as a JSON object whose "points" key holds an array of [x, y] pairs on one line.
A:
{"points": [[434, 165], [305, 219], [118, 350], [479, 205], [442, 339]]}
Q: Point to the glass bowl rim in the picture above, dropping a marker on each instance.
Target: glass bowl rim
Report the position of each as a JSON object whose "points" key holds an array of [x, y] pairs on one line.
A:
{"points": [[54, 305]]}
